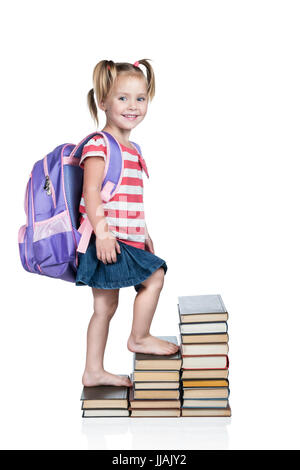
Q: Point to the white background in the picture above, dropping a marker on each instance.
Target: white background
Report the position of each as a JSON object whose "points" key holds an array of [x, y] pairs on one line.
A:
{"points": [[221, 141]]}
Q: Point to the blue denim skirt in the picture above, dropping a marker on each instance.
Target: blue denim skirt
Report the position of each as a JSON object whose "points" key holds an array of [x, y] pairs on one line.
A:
{"points": [[133, 266]]}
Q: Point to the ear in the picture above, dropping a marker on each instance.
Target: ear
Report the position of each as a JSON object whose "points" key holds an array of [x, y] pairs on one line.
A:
{"points": [[102, 106]]}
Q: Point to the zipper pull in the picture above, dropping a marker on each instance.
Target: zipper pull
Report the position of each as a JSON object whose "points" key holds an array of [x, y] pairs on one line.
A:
{"points": [[47, 186]]}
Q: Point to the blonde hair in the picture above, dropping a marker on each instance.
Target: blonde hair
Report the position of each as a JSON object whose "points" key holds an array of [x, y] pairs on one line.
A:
{"points": [[104, 77]]}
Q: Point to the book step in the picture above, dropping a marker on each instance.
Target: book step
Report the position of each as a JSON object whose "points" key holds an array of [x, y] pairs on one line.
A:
{"points": [[193, 382]]}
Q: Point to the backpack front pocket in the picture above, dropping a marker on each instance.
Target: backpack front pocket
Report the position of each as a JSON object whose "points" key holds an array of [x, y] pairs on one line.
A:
{"points": [[53, 243], [57, 224]]}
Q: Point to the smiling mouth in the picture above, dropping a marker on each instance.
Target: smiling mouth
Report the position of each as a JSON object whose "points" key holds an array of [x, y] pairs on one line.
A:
{"points": [[130, 116]]}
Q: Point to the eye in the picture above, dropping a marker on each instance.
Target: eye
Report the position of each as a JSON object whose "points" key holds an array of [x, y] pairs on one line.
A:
{"points": [[121, 97], [141, 99]]}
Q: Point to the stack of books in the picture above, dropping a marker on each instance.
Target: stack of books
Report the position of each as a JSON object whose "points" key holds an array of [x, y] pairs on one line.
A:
{"points": [[105, 401], [156, 387], [204, 348]]}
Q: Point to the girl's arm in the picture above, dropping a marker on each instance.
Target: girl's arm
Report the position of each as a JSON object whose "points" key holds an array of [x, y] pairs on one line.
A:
{"points": [[148, 241], [106, 243], [146, 232], [92, 182]]}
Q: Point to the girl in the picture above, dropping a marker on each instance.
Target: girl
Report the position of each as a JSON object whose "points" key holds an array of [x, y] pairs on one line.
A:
{"points": [[120, 251]]}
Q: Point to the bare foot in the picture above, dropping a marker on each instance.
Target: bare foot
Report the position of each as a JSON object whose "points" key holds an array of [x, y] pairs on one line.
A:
{"points": [[91, 379], [151, 345]]}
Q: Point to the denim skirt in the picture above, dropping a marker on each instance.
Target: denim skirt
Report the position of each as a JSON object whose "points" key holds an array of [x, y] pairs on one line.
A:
{"points": [[133, 266]]}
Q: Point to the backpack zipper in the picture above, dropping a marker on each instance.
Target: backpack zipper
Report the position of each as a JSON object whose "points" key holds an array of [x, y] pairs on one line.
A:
{"points": [[26, 212], [48, 186]]}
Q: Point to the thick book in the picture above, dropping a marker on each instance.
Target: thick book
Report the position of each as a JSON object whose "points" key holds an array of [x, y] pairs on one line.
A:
{"points": [[107, 413], [204, 349], [191, 338], [204, 328], [155, 375], [204, 374], [217, 412], [143, 361], [205, 403], [105, 396], [155, 413], [205, 383], [202, 308], [148, 403], [217, 392], [205, 362]]}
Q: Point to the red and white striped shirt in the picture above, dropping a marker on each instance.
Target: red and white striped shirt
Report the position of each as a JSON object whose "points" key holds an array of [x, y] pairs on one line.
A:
{"points": [[124, 213]]}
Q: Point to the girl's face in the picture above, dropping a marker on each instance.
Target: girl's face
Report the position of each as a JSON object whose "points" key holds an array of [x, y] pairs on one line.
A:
{"points": [[126, 105]]}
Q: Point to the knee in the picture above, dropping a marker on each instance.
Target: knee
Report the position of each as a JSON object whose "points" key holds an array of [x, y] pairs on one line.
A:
{"points": [[157, 280], [107, 308]]}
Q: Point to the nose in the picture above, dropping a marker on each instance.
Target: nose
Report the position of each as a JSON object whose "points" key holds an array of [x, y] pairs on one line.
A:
{"points": [[132, 105]]}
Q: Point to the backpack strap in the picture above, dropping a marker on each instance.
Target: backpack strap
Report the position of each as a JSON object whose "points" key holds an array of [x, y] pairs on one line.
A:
{"points": [[86, 230], [142, 161], [114, 167], [113, 172], [77, 150]]}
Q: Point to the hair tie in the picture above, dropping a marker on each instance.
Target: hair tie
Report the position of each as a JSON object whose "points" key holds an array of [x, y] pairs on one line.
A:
{"points": [[136, 64], [108, 67]]}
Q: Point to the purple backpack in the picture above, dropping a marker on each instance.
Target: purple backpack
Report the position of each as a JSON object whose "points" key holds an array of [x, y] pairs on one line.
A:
{"points": [[50, 240]]}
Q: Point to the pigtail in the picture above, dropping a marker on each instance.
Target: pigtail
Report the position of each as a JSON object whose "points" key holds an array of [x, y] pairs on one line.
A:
{"points": [[150, 77], [104, 75], [92, 105]]}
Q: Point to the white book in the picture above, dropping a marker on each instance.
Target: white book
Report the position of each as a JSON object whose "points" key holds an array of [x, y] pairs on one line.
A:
{"points": [[201, 403], [210, 327], [204, 349], [101, 412], [205, 362]]}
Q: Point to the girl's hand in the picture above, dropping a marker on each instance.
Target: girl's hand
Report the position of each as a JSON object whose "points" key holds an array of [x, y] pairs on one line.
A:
{"points": [[106, 249], [149, 245]]}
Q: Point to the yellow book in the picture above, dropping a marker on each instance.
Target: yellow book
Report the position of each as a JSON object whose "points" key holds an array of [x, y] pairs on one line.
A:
{"points": [[205, 383]]}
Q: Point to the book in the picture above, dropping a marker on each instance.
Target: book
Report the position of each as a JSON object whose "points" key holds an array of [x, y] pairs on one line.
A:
{"points": [[205, 362], [156, 394], [211, 317], [204, 403], [155, 413], [107, 413], [217, 392], [217, 412], [148, 403], [158, 362], [189, 338], [205, 327], [156, 385], [201, 308], [201, 304], [104, 396], [204, 349], [155, 375], [205, 374], [205, 383]]}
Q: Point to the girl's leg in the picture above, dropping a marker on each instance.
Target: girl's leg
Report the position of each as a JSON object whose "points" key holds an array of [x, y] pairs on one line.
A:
{"points": [[105, 305], [145, 304]]}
